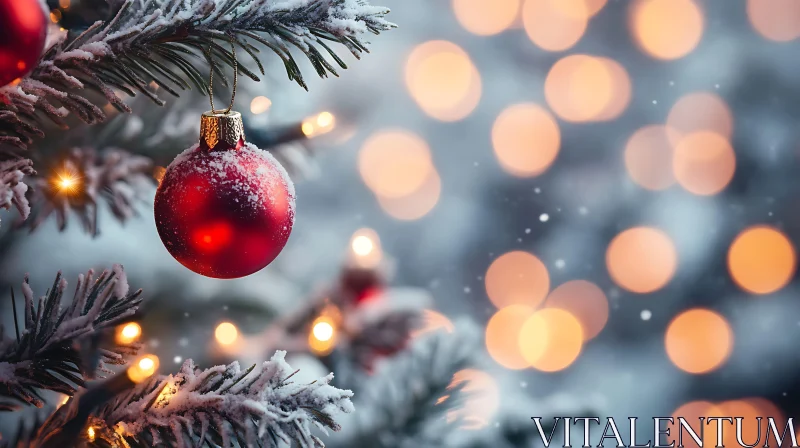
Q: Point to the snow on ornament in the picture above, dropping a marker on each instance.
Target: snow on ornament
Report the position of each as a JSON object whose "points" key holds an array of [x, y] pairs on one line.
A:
{"points": [[224, 207]]}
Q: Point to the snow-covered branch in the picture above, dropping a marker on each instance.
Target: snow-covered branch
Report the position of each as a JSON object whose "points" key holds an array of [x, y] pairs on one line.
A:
{"points": [[152, 43], [83, 178], [45, 354], [405, 403], [12, 188], [260, 406]]}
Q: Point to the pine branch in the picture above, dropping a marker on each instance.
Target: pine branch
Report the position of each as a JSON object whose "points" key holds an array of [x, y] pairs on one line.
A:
{"points": [[84, 178], [255, 407], [46, 353], [160, 43], [406, 403], [12, 189]]}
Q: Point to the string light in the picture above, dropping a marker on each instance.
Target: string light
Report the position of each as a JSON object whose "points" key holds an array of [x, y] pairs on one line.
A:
{"points": [[319, 124], [365, 245], [226, 333], [322, 338], [55, 15], [90, 434], [143, 368], [260, 104], [128, 333], [66, 182]]}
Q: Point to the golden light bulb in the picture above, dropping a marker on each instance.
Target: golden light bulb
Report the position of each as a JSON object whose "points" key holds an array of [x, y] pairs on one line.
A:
{"points": [[308, 129], [226, 333], [323, 331], [362, 245], [325, 120], [144, 368], [128, 333], [90, 434], [66, 182], [322, 338]]}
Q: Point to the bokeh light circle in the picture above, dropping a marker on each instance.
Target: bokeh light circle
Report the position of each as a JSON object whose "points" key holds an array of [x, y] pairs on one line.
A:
{"points": [[762, 260], [551, 339], [579, 87], [486, 18], [700, 111], [394, 163], [698, 341], [502, 334], [703, 163], [777, 20], [555, 25], [666, 29], [442, 80], [584, 300], [517, 278], [706, 431], [641, 259], [526, 140], [648, 157], [418, 203]]}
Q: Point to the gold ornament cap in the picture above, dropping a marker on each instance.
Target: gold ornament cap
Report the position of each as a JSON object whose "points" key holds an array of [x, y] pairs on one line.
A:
{"points": [[220, 131]]}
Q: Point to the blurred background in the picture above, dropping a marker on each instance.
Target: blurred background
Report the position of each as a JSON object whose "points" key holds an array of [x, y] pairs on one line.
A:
{"points": [[607, 189]]}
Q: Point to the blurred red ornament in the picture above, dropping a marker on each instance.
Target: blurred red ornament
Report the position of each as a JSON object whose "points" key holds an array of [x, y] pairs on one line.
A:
{"points": [[361, 284], [23, 30], [224, 208]]}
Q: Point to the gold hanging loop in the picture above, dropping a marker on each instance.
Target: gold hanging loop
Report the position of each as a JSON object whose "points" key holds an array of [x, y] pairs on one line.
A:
{"points": [[211, 78]]}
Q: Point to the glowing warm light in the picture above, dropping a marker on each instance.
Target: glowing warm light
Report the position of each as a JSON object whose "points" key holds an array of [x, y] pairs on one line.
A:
{"points": [[698, 341], [641, 259], [579, 87], [502, 334], [143, 368], [64, 4], [323, 331], [90, 434], [442, 80], [620, 88], [260, 104], [584, 300], [64, 400], [481, 398], [761, 260], [365, 245], [707, 431], [703, 163], [325, 119], [526, 140], [55, 15], [555, 25], [416, 204], [432, 321], [128, 333], [699, 111], [666, 29], [486, 18], [319, 124], [777, 20], [66, 182], [226, 333], [648, 157], [395, 163], [517, 278], [551, 339], [322, 338]]}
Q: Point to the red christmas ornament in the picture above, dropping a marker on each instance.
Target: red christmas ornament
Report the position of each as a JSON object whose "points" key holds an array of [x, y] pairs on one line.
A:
{"points": [[224, 208], [23, 30]]}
